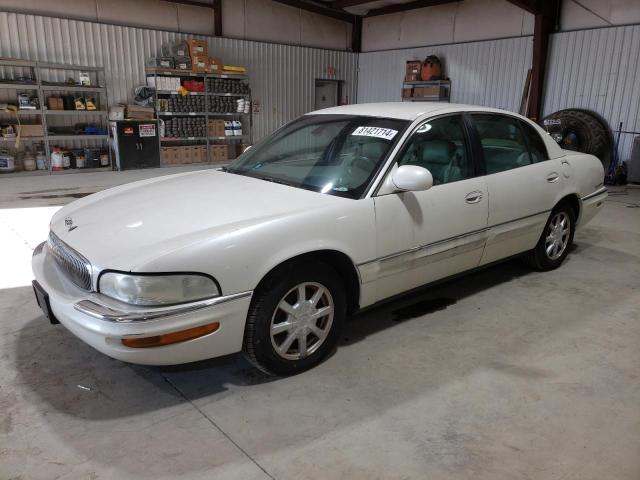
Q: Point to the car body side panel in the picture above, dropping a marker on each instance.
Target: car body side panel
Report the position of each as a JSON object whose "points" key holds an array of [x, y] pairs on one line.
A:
{"points": [[583, 175], [520, 201], [241, 258]]}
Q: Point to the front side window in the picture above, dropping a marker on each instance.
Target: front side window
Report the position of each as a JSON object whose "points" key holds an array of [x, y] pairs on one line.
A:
{"points": [[332, 154], [503, 144], [440, 146]]}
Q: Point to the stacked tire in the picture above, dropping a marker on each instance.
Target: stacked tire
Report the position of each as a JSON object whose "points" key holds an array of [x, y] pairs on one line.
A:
{"points": [[584, 131]]}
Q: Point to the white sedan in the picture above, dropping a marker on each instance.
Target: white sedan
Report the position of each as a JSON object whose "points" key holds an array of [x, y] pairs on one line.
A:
{"points": [[336, 211]]}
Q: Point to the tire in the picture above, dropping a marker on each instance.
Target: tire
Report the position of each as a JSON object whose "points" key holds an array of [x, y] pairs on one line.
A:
{"points": [[266, 315], [540, 258], [592, 132]]}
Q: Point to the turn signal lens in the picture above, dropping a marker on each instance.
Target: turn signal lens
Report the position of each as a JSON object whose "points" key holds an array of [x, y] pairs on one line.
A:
{"points": [[169, 338]]}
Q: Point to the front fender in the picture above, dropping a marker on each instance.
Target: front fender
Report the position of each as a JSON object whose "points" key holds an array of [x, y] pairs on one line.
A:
{"points": [[238, 259]]}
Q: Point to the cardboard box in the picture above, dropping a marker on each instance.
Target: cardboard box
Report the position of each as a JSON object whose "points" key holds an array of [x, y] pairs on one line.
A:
{"points": [[198, 48], [55, 103], [428, 91], [29, 130], [165, 156], [199, 64], [433, 91], [407, 92], [179, 49], [216, 128], [176, 157], [214, 65], [412, 72], [183, 63]]}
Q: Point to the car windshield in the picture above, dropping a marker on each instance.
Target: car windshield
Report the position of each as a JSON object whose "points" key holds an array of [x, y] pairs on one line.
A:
{"points": [[332, 154]]}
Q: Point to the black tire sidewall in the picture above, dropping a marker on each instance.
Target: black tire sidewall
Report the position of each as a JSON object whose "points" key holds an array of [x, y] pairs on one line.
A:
{"points": [[258, 344]]}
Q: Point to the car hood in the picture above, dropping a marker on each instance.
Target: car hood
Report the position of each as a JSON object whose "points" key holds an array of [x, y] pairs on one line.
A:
{"points": [[132, 224]]}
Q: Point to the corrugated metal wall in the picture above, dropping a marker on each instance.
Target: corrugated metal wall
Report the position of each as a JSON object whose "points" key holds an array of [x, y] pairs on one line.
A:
{"points": [[282, 77], [490, 73], [598, 70]]}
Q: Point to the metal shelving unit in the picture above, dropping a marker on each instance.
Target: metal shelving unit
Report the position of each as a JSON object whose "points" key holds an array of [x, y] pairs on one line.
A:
{"points": [[209, 141], [39, 71], [9, 91], [51, 86], [444, 89]]}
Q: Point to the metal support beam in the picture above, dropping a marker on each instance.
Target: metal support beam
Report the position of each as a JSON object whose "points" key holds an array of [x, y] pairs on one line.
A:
{"points": [[191, 3], [402, 7], [541, 33], [547, 8], [311, 7], [546, 14], [356, 35], [217, 18], [348, 3]]}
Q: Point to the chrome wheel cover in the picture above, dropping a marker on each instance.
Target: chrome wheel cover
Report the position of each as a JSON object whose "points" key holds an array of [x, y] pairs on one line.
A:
{"points": [[557, 236], [302, 321]]}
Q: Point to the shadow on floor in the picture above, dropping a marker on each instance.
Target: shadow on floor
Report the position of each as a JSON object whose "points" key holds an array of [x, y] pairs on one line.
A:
{"points": [[62, 370]]}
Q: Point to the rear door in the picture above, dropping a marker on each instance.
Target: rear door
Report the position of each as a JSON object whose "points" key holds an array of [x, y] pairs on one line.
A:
{"points": [[523, 183]]}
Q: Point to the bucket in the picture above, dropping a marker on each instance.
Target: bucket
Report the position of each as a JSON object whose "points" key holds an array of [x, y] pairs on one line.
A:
{"points": [[57, 160]]}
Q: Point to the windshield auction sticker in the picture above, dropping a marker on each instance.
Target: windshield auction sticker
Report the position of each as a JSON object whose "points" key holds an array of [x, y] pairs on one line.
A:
{"points": [[385, 133]]}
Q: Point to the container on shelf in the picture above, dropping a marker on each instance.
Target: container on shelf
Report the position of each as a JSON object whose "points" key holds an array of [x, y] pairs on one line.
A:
{"points": [[29, 161], [57, 160], [7, 162], [41, 160]]}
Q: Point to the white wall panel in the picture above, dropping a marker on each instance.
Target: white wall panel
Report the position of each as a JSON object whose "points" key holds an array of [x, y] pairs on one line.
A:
{"points": [[282, 77], [490, 73], [464, 21], [598, 70]]}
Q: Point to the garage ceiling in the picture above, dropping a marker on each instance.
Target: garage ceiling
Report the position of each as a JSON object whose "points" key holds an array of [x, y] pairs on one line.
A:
{"points": [[342, 8]]}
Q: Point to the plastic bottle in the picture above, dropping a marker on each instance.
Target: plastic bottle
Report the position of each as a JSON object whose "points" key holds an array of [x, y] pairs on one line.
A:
{"points": [[41, 160], [29, 161], [57, 160]]}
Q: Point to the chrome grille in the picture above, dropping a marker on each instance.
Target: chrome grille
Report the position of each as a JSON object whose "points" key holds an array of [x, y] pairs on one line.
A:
{"points": [[77, 268]]}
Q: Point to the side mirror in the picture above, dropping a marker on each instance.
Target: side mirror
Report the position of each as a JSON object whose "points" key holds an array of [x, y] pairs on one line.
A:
{"points": [[412, 178]]}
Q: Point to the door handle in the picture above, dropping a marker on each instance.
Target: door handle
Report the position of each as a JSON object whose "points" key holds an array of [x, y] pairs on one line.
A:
{"points": [[473, 197], [553, 177]]}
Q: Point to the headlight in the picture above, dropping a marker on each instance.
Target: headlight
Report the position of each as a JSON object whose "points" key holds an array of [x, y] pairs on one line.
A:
{"points": [[157, 289]]}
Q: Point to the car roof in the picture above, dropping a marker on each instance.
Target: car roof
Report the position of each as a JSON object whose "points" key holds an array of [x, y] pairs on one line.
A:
{"points": [[403, 110], [414, 110]]}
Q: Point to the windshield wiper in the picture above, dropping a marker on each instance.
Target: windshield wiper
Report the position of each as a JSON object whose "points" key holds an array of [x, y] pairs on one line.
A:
{"points": [[274, 180]]}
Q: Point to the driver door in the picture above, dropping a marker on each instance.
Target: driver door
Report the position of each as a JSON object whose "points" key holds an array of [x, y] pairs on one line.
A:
{"points": [[428, 235]]}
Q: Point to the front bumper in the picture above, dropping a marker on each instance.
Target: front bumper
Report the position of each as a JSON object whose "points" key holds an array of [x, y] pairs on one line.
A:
{"points": [[103, 322]]}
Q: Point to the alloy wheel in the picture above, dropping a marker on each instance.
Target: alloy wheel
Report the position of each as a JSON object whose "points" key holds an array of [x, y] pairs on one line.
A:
{"points": [[302, 321], [557, 236]]}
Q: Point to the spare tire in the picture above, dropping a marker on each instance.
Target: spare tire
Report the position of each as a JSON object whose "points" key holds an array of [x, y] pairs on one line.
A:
{"points": [[582, 131]]}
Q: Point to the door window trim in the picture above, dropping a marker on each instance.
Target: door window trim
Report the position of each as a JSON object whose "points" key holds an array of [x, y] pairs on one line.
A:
{"points": [[402, 149]]}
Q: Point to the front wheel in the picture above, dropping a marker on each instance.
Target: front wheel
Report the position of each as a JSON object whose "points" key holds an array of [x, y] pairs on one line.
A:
{"points": [[295, 319], [557, 237]]}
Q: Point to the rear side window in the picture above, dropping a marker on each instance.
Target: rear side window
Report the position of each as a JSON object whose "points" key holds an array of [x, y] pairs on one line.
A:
{"points": [[503, 144], [537, 147]]}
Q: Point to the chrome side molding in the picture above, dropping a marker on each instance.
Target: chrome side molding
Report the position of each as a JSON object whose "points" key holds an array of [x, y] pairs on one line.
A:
{"points": [[595, 194]]}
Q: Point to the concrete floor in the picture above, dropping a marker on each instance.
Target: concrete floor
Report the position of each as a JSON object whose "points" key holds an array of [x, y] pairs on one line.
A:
{"points": [[503, 374]]}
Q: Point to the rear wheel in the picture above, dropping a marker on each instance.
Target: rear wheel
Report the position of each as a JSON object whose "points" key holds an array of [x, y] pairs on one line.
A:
{"points": [[295, 318], [557, 237]]}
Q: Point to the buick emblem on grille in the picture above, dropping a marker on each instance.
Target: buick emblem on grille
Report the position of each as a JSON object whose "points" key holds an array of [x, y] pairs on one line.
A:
{"points": [[69, 224]]}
